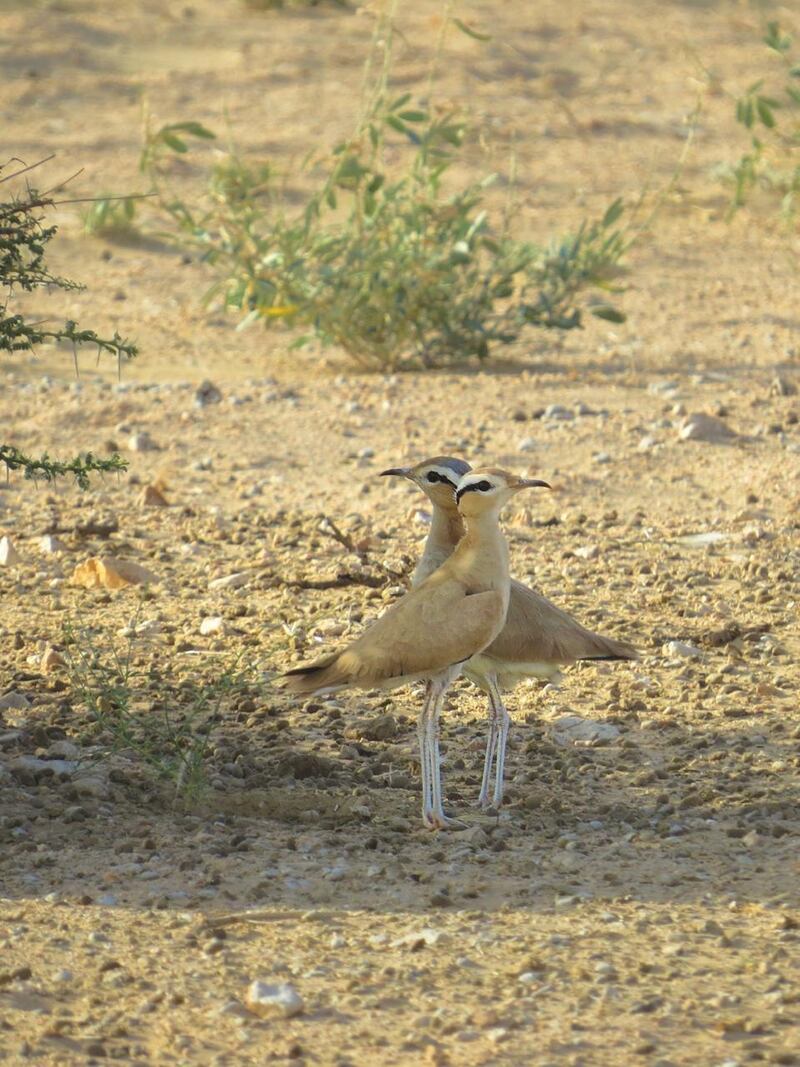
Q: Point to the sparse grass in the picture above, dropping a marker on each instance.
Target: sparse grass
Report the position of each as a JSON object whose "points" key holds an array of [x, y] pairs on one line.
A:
{"points": [[395, 264], [161, 714]]}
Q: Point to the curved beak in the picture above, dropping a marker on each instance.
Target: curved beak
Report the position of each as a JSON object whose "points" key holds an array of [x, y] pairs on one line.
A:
{"points": [[398, 472], [532, 483]]}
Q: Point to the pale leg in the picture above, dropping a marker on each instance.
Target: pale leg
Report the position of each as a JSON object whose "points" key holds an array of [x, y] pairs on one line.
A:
{"points": [[488, 762], [424, 756], [437, 819], [499, 722], [503, 724]]}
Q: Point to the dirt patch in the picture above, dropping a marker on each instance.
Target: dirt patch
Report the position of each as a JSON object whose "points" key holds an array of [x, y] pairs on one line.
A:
{"points": [[636, 900]]}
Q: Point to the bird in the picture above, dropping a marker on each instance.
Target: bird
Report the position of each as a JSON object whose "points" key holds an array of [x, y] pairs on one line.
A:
{"points": [[538, 638], [436, 627]]}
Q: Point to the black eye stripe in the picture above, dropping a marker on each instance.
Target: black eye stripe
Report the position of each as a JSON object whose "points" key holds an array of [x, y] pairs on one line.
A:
{"points": [[475, 487], [434, 476]]}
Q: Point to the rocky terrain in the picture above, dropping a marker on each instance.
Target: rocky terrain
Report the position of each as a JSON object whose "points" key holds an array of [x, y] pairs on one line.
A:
{"points": [[175, 830]]}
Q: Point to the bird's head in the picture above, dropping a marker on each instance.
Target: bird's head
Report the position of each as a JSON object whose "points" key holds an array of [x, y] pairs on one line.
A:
{"points": [[438, 478], [489, 488]]}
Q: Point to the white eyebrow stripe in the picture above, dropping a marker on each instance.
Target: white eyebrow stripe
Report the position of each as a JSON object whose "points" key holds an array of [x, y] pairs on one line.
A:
{"points": [[444, 472], [476, 480]]}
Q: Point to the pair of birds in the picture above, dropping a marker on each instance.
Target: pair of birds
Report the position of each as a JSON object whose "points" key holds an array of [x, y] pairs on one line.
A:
{"points": [[463, 614]]}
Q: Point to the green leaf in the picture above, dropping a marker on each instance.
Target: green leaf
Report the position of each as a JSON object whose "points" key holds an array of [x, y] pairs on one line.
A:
{"points": [[608, 312], [613, 213], [300, 342], [765, 112], [776, 39], [454, 135], [470, 32], [400, 101], [396, 124], [173, 142], [196, 129], [414, 116]]}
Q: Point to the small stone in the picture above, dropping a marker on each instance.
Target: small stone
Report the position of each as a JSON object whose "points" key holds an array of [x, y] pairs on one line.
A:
{"points": [[702, 427], [51, 660], [142, 442], [230, 581], [91, 787], [381, 729], [207, 393], [558, 413], [110, 573], [424, 938], [527, 444], [301, 765], [576, 729], [782, 387], [213, 624], [51, 544], [682, 650], [9, 557], [647, 443], [29, 769], [587, 552], [63, 750], [267, 1000], [14, 701], [152, 497], [601, 457]]}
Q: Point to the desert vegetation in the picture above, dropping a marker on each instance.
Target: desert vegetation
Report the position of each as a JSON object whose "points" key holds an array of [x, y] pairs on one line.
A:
{"points": [[571, 228]]}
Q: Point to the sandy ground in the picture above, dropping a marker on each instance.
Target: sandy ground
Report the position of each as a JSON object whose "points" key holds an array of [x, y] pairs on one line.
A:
{"points": [[636, 900]]}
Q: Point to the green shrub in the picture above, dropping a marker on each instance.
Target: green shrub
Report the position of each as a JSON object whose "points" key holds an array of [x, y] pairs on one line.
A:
{"points": [[392, 264], [23, 241], [769, 110]]}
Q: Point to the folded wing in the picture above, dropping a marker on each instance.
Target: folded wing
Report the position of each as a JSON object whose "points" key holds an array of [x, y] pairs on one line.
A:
{"points": [[537, 631], [431, 628]]}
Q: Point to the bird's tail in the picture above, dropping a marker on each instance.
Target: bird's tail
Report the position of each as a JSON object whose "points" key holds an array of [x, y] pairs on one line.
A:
{"points": [[610, 648], [325, 673]]}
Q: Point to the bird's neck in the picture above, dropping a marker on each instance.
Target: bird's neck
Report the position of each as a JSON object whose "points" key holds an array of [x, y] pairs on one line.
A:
{"points": [[447, 529], [482, 554]]}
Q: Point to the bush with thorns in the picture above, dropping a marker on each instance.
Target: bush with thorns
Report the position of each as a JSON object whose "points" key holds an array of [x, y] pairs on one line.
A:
{"points": [[24, 236]]}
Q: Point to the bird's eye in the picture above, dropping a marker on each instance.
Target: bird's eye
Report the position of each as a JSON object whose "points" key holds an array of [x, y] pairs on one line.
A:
{"points": [[433, 476], [484, 486]]}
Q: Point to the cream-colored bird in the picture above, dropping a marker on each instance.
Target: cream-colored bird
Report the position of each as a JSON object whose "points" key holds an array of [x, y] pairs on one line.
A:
{"points": [[437, 627], [537, 639]]}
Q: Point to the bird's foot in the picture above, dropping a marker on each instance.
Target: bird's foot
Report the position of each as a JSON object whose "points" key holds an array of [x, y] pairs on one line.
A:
{"points": [[437, 820]]}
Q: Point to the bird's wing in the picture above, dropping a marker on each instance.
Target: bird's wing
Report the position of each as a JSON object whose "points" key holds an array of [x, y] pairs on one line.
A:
{"points": [[428, 630], [536, 631]]}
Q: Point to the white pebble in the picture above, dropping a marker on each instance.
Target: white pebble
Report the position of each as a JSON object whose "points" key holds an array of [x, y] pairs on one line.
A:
{"points": [[270, 1000]]}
